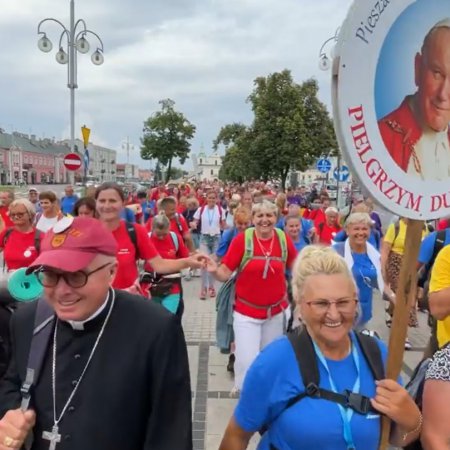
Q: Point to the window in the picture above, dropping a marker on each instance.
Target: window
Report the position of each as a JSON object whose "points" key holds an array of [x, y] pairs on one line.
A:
{"points": [[215, 162], [200, 160], [212, 172]]}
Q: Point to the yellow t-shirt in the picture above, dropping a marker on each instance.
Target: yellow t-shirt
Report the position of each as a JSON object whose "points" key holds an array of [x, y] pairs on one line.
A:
{"points": [[398, 243], [440, 280]]}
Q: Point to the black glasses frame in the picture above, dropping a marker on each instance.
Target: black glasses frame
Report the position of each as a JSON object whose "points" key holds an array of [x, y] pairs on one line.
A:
{"points": [[66, 276]]}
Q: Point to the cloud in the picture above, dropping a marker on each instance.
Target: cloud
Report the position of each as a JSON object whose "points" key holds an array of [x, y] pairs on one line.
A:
{"points": [[204, 54]]}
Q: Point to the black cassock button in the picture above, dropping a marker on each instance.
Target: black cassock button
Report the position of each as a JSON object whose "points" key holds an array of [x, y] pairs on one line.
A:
{"points": [[71, 408], [67, 437], [77, 356], [74, 383]]}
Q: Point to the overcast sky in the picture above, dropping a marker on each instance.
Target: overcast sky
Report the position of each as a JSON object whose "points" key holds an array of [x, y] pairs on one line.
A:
{"points": [[203, 54]]}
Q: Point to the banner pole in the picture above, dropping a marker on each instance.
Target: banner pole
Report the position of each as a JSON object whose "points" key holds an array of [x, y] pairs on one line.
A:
{"points": [[405, 299]]}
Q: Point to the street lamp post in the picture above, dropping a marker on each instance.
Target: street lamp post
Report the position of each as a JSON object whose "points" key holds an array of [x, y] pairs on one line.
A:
{"points": [[75, 39], [324, 60]]}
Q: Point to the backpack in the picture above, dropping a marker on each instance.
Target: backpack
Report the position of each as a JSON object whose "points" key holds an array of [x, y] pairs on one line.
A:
{"points": [[179, 226], [248, 253], [308, 365], [174, 237], [131, 230], [226, 294], [439, 244]]}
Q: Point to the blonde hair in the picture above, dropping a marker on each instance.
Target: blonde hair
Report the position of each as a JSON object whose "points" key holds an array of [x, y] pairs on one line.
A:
{"points": [[317, 260], [242, 213], [360, 208], [264, 206], [281, 201], [27, 205], [160, 222], [359, 217], [191, 200]]}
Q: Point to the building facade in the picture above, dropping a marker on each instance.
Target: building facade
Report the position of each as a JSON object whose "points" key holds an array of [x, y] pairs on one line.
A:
{"points": [[206, 167], [25, 159]]}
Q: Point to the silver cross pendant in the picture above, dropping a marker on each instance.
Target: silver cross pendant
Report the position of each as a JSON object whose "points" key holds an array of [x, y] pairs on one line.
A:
{"points": [[53, 436]]}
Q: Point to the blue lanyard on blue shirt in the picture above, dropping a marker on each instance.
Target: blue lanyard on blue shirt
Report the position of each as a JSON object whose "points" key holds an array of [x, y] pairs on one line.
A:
{"points": [[346, 413]]}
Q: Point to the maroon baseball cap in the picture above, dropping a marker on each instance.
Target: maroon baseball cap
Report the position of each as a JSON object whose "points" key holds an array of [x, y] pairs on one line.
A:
{"points": [[73, 243]]}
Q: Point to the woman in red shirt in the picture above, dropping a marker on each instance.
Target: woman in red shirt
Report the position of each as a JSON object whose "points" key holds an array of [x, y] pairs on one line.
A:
{"points": [[261, 305], [110, 200], [327, 230], [20, 243], [169, 246]]}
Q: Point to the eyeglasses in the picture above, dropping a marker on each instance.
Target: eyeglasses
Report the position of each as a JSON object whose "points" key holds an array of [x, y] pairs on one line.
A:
{"points": [[49, 278], [17, 215], [322, 306]]}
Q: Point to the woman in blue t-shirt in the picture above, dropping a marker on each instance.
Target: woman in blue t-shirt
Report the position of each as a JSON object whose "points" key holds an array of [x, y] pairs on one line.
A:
{"points": [[298, 229], [325, 293], [363, 259]]}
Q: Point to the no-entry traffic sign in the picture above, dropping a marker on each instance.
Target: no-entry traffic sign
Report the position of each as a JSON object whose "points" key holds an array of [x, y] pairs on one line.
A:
{"points": [[72, 161]]}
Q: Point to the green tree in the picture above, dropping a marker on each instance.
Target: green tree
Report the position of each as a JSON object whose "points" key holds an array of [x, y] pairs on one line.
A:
{"points": [[166, 136], [177, 172], [291, 127], [229, 134]]}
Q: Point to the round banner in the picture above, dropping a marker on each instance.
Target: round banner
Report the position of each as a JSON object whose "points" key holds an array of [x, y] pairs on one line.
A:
{"points": [[391, 100]]}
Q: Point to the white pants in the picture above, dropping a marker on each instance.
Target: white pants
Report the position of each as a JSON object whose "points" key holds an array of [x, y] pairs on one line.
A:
{"points": [[251, 336]]}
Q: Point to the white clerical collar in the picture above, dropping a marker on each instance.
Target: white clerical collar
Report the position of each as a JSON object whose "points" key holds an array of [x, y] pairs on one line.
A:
{"points": [[79, 324]]}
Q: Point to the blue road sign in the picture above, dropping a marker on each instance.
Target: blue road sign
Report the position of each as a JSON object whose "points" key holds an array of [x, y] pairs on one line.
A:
{"points": [[324, 165], [341, 173]]}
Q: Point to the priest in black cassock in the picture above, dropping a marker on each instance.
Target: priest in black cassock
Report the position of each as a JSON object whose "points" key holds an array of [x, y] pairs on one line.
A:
{"points": [[114, 368]]}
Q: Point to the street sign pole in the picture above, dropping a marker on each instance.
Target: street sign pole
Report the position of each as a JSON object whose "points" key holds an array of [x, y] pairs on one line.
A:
{"points": [[338, 182]]}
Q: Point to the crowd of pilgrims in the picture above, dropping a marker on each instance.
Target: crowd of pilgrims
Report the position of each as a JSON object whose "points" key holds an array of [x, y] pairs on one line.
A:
{"points": [[253, 233]]}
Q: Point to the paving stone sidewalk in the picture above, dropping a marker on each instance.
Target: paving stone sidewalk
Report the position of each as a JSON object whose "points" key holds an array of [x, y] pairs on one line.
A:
{"points": [[211, 383]]}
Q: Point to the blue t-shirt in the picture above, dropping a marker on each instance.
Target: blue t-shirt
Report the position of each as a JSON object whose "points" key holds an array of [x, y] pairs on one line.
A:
{"points": [[427, 246], [274, 378], [365, 275], [306, 226], [225, 241], [128, 215], [148, 205], [67, 204]]}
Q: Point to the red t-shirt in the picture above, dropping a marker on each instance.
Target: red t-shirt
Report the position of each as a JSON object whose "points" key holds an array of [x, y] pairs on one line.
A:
{"points": [[156, 194], [250, 284], [4, 212], [127, 272], [318, 216], [174, 221], [166, 248], [201, 200], [19, 250], [326, 233]]}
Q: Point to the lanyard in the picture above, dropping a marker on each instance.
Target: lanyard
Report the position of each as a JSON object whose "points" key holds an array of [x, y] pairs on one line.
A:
{"points": [[211, 217], [346, 413]]}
